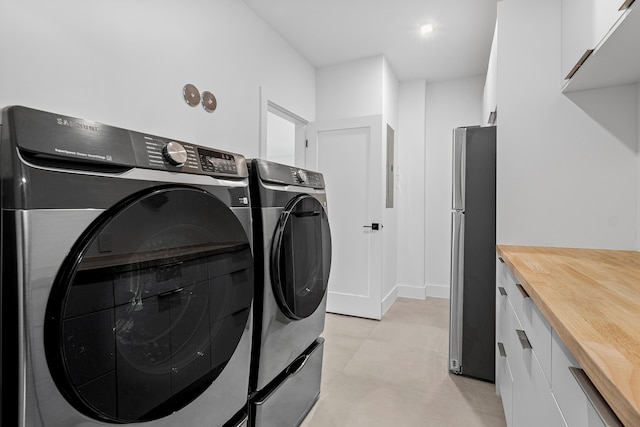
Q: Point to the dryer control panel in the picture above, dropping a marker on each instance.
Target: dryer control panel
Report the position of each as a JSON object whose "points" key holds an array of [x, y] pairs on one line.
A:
{"points": [[277, 173]]}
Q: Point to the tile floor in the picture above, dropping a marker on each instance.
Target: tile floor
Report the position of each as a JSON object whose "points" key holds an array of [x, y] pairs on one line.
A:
{"points": [[394, 373]]}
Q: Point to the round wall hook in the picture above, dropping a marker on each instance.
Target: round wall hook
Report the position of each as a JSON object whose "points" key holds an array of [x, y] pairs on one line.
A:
{"points": [[209, 101], [191, 94]]}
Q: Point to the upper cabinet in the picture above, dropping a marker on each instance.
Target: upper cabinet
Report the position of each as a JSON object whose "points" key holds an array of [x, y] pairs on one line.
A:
{"points": [[600, 39]]}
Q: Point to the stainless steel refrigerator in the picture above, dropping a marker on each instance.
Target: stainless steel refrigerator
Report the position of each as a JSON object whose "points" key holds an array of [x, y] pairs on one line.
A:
{"points": [[473, 245]]}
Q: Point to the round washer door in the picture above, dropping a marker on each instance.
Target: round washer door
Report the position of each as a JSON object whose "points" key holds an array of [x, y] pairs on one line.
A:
{"points": [[301, 257], [150, 305]]}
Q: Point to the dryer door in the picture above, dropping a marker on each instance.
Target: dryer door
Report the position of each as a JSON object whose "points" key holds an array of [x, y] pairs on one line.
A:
{"points": [[149, 305], [301, 257]]}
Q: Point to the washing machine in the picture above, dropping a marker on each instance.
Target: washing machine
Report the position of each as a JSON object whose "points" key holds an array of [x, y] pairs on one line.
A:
{"points": [[292, 263], [127, 277]]}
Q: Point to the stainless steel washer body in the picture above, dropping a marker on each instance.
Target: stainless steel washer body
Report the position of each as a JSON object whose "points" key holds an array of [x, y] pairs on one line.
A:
{"points": [[99, 248]]}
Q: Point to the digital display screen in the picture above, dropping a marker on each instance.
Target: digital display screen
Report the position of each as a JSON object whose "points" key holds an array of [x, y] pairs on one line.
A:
{"points": [[216, 161]]}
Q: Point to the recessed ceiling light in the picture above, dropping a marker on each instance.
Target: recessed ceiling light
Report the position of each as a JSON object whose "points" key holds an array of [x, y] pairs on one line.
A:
{"points": [[426, 29]]}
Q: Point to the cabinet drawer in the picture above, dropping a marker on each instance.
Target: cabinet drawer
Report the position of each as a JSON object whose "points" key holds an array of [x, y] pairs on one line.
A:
{"points": [[576, 407], [535, 325], [539, 332], [533, 402], [504, 277], [514, 291], [292, 394], [502, 303], [504, 382]]}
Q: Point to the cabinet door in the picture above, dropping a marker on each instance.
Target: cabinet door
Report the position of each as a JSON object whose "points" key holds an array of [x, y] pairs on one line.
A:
{"points": [[584, 24]]}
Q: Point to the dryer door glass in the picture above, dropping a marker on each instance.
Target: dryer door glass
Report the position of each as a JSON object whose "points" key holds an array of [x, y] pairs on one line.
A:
{"points": [[301, 257], [150, 305]]}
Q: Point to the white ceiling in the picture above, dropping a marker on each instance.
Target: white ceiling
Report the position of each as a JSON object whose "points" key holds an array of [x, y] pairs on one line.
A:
{"points": [[330, 32]]}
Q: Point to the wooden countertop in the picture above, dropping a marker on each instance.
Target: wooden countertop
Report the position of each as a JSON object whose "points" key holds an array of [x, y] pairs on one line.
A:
{"points": [[591, 298]]}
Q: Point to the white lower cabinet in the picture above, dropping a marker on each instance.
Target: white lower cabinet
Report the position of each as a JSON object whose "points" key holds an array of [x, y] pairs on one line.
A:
{"points": [[533, 403], [570, 396], [571, 388], [532, 367], [504, 382]]}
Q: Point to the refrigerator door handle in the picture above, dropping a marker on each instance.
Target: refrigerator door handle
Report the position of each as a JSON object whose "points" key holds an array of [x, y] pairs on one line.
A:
{"points": [[457, 292], [459, 160]]}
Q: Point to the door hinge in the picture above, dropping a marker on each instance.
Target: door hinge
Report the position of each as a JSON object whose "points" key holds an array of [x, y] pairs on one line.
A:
{"points": [[306, 143]]}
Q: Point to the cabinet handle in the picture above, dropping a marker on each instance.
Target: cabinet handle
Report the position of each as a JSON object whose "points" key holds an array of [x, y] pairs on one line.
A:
{"points": [[595, 398], [626, 4], [524, 341], [503, 292], [501, 349], [581, 61], [522, 290], [501, 260]]}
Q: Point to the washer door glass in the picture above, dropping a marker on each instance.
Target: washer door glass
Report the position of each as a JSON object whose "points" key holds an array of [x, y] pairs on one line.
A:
{"points": [[301, 257], [150, 305]]}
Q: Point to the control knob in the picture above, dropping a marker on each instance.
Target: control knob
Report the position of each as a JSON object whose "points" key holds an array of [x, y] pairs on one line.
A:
{"points": [[174, 153], [302, 175]]}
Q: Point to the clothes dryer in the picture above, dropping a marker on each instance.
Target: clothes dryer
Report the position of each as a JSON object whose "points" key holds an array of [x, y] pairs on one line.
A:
{"points": [[127, 277], [293, 259]]}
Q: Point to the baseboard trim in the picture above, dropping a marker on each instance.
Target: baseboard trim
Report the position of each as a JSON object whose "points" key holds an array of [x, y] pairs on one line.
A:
{"points": [[388, 300], [438, 291], [414, 292]]}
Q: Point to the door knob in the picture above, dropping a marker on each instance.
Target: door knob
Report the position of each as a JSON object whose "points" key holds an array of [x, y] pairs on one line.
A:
{"points": [[374, 226]]}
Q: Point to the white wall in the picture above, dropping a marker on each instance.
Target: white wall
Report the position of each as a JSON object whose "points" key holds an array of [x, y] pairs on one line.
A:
{"points": [[125, 62], [390, 88], [490, 95], [449, 104], [567, 166], [410, 168], [351, 89]]}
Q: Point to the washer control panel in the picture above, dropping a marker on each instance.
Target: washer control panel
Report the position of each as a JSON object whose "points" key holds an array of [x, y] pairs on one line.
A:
{"points": [[217, 161], [41, 134], [172, 155]]}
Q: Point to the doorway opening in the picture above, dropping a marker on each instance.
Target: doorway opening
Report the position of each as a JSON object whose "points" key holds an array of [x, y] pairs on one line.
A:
{"points": [[282, 134]]}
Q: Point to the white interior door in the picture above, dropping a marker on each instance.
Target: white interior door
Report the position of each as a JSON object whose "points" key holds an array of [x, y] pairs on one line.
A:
{"points": [[349, 155]]}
